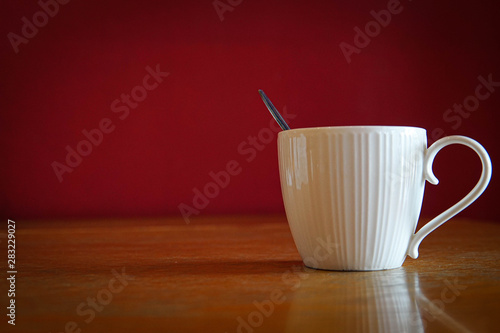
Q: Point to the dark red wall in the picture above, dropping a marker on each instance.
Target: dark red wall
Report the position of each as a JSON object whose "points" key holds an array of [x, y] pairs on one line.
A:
{"points": [[70, 77]]}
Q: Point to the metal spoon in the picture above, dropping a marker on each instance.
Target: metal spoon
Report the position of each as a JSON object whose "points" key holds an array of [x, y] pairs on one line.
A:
{"points": [[277, 116]]}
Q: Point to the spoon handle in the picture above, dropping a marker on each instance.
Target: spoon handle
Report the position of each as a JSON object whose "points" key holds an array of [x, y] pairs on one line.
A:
{"points": [[277, 116]]}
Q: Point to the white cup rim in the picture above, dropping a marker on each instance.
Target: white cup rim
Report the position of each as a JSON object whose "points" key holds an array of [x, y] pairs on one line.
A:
{"points": [[356, 129]]}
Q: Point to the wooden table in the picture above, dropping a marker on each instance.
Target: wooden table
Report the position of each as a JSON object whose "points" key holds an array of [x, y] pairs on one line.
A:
{"points": [[241, 274]]}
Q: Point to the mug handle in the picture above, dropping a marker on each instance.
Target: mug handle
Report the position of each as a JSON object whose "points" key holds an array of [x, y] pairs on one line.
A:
{"points": [[431, 178]]}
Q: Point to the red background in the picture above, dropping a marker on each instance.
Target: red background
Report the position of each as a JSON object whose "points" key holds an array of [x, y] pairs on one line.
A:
{"points": [[66, 77]]}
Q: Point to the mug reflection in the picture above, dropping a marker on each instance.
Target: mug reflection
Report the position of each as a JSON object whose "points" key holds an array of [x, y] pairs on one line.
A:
{"points": [[383, 301]]}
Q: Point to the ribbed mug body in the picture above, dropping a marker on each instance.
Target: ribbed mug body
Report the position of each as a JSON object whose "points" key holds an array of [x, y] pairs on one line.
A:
{"points": [[352, 195]]}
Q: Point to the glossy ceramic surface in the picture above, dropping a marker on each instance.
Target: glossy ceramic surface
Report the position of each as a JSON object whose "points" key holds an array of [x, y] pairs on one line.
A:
{"points": [[353, 194]]}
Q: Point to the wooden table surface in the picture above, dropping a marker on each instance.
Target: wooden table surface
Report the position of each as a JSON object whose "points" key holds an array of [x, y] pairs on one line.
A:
{"points": [[241, 274]]}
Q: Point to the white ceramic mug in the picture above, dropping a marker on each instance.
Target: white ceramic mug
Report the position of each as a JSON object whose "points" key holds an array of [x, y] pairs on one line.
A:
{"points": [[362, 188]]}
